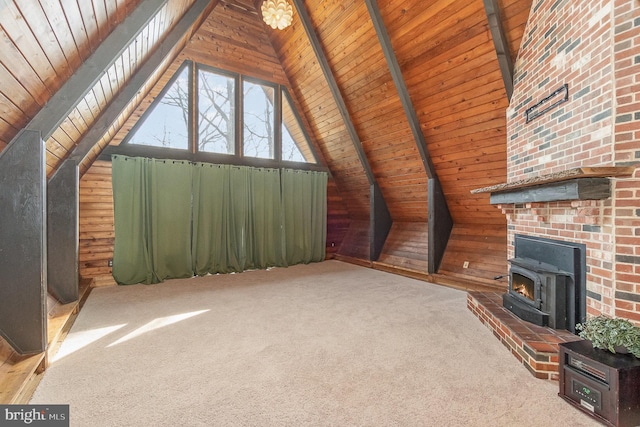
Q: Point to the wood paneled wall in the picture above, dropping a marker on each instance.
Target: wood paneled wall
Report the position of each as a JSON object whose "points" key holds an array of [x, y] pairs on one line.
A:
{"points": [[317, 104], [97, 231], [477, 253], [234, 38], [374, 105], [463, 119], [450, 67], [356, 243], [337, 219], [407, 246]]}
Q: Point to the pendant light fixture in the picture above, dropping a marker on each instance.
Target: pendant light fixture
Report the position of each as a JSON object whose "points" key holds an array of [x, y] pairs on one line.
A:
{"points": [[277, 13]]}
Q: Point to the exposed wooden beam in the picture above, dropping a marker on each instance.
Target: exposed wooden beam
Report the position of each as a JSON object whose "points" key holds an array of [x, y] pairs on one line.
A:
{"points": [[73, 91], [333, 86], [401, 87], [380, 220], [500, 42], [138, 80], [439, 217], [240, 7]]}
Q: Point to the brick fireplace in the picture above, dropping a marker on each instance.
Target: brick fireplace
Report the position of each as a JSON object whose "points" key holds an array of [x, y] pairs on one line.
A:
{"points": [[573, 153]]}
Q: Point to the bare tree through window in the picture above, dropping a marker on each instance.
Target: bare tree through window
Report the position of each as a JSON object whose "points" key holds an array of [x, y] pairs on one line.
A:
{"points": [[258, 118], [167, 123], [216, 113], [292, 135], [159, 127]]}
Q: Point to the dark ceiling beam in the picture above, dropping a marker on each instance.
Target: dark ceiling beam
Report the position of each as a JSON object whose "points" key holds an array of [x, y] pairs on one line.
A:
{"points": [[333, 86], [500, 42], [439, 219], [138, 80], [85, 78], [401, 87]]}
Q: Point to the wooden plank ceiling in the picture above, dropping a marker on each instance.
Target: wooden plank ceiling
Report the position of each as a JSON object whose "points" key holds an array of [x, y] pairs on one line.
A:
{"points": [[444, 49], [45, 42], [451, 71]]}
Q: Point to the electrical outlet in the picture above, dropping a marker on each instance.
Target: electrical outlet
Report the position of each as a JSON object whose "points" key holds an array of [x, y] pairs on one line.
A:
{"points": [[465, 264], [110, 263]]}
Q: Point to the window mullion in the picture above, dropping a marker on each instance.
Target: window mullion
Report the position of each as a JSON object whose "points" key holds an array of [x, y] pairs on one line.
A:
{"points": [[277, 123], [193, 109], [239, 95]]}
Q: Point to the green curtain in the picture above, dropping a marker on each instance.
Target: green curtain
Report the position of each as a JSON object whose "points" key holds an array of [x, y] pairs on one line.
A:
{"points": [[237, 221], [265, 246], [240, 208], [152, 214], [131, 259], [304, 201], [176, 219], [170, 209], [219, 219], [212, 220]]}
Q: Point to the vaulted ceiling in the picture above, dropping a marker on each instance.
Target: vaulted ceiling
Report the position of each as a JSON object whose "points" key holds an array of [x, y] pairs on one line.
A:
{"points": [[444, 50]]}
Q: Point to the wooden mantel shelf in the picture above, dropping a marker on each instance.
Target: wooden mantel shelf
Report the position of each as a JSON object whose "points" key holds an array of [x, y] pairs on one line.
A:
{"points": [[573, 184], [591, 172]]}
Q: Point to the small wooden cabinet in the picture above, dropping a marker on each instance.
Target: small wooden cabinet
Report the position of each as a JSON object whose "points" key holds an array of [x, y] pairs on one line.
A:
{"points": [[601, 384]]}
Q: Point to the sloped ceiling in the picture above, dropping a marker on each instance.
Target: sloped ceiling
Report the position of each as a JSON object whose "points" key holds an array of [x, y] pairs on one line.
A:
{"points": [[444, 49], [45, 43], [450, 68]]}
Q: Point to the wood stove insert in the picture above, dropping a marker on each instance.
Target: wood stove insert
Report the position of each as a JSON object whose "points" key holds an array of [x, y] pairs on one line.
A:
{"points": [[547, 282], [540, 293]]}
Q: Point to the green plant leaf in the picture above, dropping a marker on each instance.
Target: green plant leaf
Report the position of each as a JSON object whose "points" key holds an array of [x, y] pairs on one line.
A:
{"points": [[606, 333]]}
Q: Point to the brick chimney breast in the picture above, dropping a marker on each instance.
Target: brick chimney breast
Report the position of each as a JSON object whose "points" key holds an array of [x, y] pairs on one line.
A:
{"points": [[593, 48]]}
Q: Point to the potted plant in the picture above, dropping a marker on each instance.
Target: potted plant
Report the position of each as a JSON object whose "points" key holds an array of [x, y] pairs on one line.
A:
{"points": [[613, 334]]}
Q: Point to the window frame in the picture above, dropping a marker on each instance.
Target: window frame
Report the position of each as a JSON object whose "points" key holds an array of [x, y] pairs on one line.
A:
{"points": [[193, 153], [197, 67], [277, 108], [158, 99], [284, 93]]}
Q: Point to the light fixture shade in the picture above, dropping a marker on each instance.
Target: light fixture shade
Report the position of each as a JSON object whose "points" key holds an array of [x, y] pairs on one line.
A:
{"points": [[277, 13]]}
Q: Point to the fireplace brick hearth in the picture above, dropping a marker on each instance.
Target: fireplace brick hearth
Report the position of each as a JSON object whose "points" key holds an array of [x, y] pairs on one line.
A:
{"points": [[536, 347]]}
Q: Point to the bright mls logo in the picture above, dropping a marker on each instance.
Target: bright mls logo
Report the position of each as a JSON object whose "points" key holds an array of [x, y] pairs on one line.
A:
{"points": [[34, 415]]}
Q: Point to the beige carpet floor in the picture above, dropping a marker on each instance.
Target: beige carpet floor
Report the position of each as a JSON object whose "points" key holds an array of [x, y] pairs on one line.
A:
{"points": [[327, 344]]}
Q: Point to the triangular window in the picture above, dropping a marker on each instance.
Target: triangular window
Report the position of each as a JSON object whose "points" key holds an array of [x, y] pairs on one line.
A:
{"points": [[166, 123], [295, 144]]}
